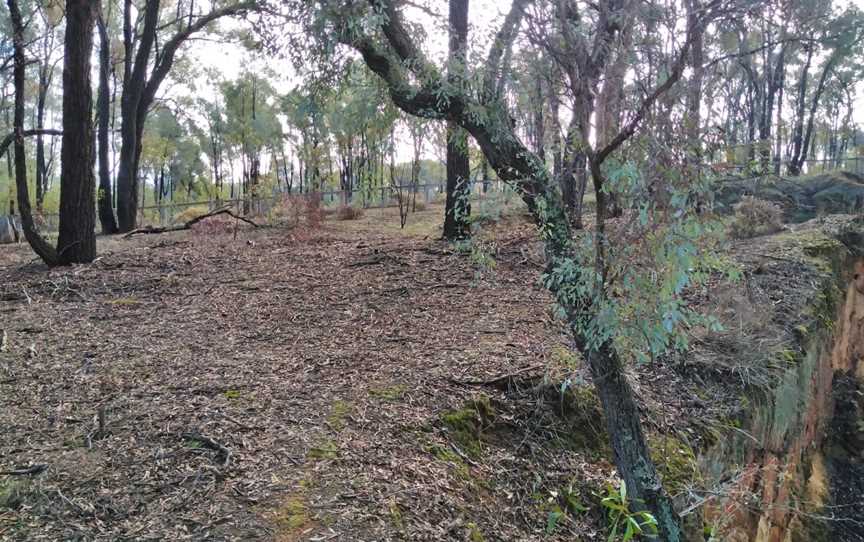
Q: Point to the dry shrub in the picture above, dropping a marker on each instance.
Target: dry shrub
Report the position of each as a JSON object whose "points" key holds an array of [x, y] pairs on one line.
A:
{"points": [[348, 212], [754, 217], [414, 203], [216, 225], [190, 213], [299, 211]]}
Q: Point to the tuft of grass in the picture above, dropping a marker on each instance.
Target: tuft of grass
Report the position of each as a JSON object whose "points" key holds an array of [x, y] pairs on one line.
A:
{"points": [[389, 393], [326, 450], [754, 217], [338, 412]]}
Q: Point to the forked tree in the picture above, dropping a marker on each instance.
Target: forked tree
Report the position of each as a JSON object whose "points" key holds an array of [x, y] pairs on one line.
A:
{"points": [[77, 240], [580, 279]]}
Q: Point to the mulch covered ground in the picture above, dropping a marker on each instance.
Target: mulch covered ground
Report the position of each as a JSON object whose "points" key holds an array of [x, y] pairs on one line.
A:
{"points": [[355, 382], [243, 385]]}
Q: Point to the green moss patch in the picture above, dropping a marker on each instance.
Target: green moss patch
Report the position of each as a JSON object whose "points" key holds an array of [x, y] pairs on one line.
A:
{"points": [[13, 492], [466, 426], [338, 413], [293, 517], [676, 462], [389, 393], [324, 450]]}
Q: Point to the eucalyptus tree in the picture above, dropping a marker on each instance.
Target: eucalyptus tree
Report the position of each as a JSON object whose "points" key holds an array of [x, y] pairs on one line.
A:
{"points": [[76, 242], [305, 110], [104, 198], [152, 37], [580, 273], [50, 16], [358, 117], [457, 206], [251, 125], [843, 41]]}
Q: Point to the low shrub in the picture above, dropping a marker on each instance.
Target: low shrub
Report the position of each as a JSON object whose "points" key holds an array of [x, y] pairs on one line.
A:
{"points": [[190, 213], [754, 217], [414, 202], [348, 212]]}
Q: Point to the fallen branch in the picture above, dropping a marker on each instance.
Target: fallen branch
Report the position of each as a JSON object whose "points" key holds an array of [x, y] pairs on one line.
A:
{"points": [[23, 471], [221, 451], [502, 382], [188, 225]]}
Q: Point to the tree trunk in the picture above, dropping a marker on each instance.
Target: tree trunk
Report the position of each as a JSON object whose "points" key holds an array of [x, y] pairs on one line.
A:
{"points": [[41, 168], [795, 159], [133, 91], [514, 163], [76, 242], [457, 206], [103, 197], [40, 246]]}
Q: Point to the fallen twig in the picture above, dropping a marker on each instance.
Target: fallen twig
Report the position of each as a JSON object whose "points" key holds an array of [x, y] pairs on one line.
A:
{"points": [[221, 451], [499, 382], [188, 224], [23, 471]]}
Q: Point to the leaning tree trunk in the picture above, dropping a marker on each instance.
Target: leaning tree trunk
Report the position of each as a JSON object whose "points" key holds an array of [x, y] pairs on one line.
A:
{"points": [[77, 240], [457, 206], [103, 197], [514, 163], [40, 246]]}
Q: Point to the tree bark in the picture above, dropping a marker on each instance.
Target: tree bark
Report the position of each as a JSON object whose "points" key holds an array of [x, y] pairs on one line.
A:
{"points": [[795, 160], [40, 246], [76, 242], [457, 206], [104, 198]]}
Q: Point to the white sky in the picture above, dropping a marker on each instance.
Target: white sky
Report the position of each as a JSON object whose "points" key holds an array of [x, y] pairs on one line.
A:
{"points": [[485, 17]]}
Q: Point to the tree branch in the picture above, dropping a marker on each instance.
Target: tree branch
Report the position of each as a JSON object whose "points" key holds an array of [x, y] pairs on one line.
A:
{"points": [[7, 141]]}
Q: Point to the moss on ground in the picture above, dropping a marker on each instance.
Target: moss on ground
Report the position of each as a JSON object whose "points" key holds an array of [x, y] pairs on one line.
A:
{"points": [[13, 492], [339, 411], [326, 449], [676, 462], [466, 425], [389, 393], [474, 533], [452, 458], [293, 517]]}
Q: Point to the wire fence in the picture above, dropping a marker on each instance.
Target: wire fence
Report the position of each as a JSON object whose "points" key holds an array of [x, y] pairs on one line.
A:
{"points": [[172, 212]]}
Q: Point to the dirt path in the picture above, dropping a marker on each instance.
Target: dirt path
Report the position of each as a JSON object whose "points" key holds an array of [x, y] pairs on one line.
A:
{"points": [[256, 388]]}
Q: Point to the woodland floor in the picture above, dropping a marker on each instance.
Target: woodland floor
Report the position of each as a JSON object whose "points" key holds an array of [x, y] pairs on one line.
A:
{"points": [[265, 385]]}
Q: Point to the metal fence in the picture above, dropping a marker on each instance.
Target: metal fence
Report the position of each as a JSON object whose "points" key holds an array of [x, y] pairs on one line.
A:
{"points": [[170, 213]]}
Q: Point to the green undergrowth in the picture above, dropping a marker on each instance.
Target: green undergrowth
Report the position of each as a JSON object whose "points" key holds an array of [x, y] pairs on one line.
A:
{"points": [[676, 462], [390, 394], [467, 426]]}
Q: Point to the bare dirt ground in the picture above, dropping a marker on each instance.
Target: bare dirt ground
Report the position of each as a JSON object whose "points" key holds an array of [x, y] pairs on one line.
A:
{"points": [[251, 385]]}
